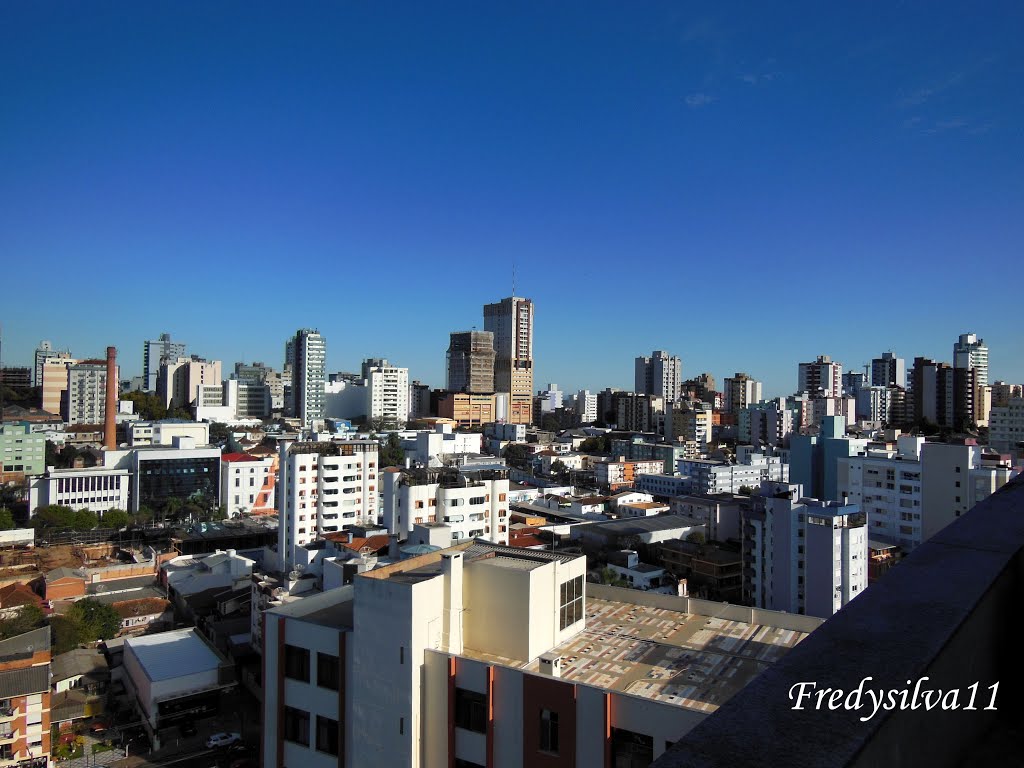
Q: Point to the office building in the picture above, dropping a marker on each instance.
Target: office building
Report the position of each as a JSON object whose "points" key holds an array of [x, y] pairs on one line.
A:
{"points": [[471, 359], [660, 374], [740, 392], [309, 352], [803, 555], [154, 353], [511, 322], [95, 489], [821, 378], [182, 470]]}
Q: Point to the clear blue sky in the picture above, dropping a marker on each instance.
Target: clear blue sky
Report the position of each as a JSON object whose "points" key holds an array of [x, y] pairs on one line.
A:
{"points": [[742, 185]]}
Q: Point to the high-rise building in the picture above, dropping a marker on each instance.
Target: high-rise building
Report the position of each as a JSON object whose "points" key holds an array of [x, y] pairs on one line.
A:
{"points": [[943, 395], [55, 384], [971, 352], [387, 393], [309, 375], [660, 374], [471, 359], [511, 322], [586, 406], [888, 371], [44, 352], [419, 400], [822, 377], [86, 392], [154, 353], [187, 381], [741, 390]]}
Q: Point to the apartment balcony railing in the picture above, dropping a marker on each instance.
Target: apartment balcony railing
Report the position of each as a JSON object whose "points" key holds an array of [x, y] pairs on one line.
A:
{"points": [[945, 616]]}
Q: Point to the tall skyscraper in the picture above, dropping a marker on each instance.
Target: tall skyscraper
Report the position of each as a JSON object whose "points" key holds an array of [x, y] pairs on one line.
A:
{"points": [[156, 352], [511, 322], [471, 358], [660, 374], [888, 371], [308, 376], [741, 390], [822, 377], [971, 352]]}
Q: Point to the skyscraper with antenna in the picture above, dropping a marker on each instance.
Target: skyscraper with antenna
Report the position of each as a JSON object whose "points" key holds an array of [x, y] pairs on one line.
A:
{"points": [[511, 322]]}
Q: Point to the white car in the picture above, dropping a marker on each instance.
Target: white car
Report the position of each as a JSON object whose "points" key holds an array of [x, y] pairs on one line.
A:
{"points": [[223, 740]]}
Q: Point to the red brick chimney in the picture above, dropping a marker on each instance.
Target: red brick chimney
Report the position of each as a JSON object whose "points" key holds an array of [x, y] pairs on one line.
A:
{"points": [[109, 423]]}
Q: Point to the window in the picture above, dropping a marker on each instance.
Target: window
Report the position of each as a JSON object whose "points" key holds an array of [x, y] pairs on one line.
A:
{"points": [[327, 672], [571, 602], [549, 731], [296, 726], [631, 750], [470, 710], [326, 735], [296, 662]]}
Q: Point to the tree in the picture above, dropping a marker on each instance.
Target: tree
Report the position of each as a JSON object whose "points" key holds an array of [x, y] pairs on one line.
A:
{"points": [[517, 455], [746, 490], [67, 634], [392, 454], [96, 620], [148, 406], [116, 518], [612, 578], [550, 423], [696, 537], [219, 433], [84, 520], [53, 516], [25, 619], [599, 444], [6, 519]]}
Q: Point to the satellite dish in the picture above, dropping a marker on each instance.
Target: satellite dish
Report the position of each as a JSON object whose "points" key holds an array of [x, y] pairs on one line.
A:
{"points": [[101, 587]]}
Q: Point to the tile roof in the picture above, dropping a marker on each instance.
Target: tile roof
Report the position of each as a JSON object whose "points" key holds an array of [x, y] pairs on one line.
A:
{"points": [[17, 594], [231, 457]]}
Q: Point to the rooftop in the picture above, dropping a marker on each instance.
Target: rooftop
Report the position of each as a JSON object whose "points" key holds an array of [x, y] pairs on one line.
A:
{"points": [[645, 524], [687, 659], [167, 655]]}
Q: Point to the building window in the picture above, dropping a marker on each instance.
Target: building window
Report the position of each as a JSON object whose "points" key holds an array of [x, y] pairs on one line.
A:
{"points": [[631, 750], [296, 662], [327, 672], [296, 726], [470, 710], [571, 602], [549, 731], [326, 735]]}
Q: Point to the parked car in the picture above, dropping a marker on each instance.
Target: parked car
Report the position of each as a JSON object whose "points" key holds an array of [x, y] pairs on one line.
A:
{"points": [[223, 740]]}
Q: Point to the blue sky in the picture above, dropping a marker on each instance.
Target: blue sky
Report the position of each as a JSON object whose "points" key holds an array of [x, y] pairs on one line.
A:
{"points": [[742, 185]]}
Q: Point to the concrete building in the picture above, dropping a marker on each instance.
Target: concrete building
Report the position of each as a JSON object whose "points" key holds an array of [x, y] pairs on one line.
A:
{"points": [[248, 483], [638, 449], [387, 393], [511, 322], [55, 384], [636, 412], [822, 377], [888, 371], [419, 400], [143, 433], [468, 503], [971, 352], [180, 470], [741, 391], [467, 410], [86, 392], [25, 699], [803, 555], [96, 489], [22, 451], [493, 651], [44, 352], [308, 376], [154, 354], [879, 404], [324, 488], [767, 424], [1002, 393], [1006, 426], [471, 358], [690, 424], [586, 406], [660, 374], [435, 447], [709, 476], [813, 459], [183, 382], [620, 473], [720, 513]]}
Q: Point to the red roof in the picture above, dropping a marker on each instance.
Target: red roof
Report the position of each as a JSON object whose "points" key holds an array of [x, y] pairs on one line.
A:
{"points": [[16, 594], [238, 457]]}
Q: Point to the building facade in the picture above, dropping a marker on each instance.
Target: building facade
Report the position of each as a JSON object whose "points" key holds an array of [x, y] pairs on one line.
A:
{"points": [[660, 374], [22, 451], [741, 391], [822, 377], [25, 699], [511, 322], [309, 376], [96, 489], [470, 360], [87, 392], [154, 354], [387, 393]]}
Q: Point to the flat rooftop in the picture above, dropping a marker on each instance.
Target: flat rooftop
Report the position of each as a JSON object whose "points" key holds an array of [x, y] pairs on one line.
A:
{"points": [[173, 654], [693, 661]]}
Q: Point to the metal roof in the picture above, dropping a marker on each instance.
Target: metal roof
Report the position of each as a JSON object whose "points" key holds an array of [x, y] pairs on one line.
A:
{"points": [[167, 655], [21, 682]]}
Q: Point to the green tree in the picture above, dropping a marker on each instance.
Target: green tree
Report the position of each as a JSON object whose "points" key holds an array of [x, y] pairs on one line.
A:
{"points": [[97, 620], [612, 578], [219, 433], [84, 520], [148, 406], [746, 490], [392, 454], [6, 519], [599, 444], [25, 619], [696, 537], [67, 634], [53, 516], [517, 455], [550, 423], [115, 518]]}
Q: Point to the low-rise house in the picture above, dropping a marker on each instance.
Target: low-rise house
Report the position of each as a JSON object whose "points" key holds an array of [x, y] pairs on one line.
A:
{"points": [[642, 509], [14, 597], [627, 566], [144, 614]]}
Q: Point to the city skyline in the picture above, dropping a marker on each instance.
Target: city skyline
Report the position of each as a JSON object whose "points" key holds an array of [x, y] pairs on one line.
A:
{"points": [[595, 160]]}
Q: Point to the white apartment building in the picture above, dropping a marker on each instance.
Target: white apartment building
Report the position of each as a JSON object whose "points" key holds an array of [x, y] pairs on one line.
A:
{"points": [[387, 393], [309, 376], [96, 489], [186, 381], [483, 655], [142, 433], [322, 488], [247, 483], [620, 473], [822, 377], [803, 555], [473, 503], [586, 406], [768, 423], [433, 447], [1006, 426], [971, 352], [660, 374], [690, 423], [708, 476], [86, 392]]}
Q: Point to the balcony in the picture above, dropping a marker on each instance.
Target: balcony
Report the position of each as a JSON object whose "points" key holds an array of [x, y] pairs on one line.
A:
{"points": [[945, 614]]}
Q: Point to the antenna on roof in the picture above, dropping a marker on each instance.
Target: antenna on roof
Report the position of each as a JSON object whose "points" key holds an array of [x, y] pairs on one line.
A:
{"points": [[513, 278]]}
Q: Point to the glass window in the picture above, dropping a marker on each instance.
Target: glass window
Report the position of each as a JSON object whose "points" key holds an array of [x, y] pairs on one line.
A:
{"points": [[571, 602], [326, 735], [327, 671], [296, 726], [296, 662], [549, 731]]}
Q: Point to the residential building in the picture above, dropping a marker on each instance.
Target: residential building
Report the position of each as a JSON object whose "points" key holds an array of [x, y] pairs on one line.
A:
{"points": [[17, 376], [768, 423], [471, 358], [1006, 426], [493, 650], [638, 449], [309, 376], [822, 377], [248, 483], [709, 476], [586, 406], [471, 504], [813, 459], [702, 388], [550, 399], [55, 384], [87, 392], [419, 400], [96, 489], [154, 354], [25, 699], [323, 488], [883, 405], [143, 433], [888, 371], [741, 391], [626, 565], [387, 393], [434, 447], [22, 451], [660, 374], [803, 555], [943, 395], [971, 352], [636, 412], [184, 382], [44, 352], [615, 474], [1002, 393], [690, 423], [511, 322], [720, 513], [709, 571]]}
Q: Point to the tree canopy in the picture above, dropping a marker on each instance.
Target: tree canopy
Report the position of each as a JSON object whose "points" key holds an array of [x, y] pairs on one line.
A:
{"points": [[392, 454], [25, 619], [96, 620]]}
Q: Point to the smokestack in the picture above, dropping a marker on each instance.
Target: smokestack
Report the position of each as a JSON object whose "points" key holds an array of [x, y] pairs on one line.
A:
{"points": [[109, 423]]}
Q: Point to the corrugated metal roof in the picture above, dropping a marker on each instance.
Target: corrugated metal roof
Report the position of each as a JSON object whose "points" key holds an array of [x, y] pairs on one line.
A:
{"points": [[26, 644], [21, 682]]}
